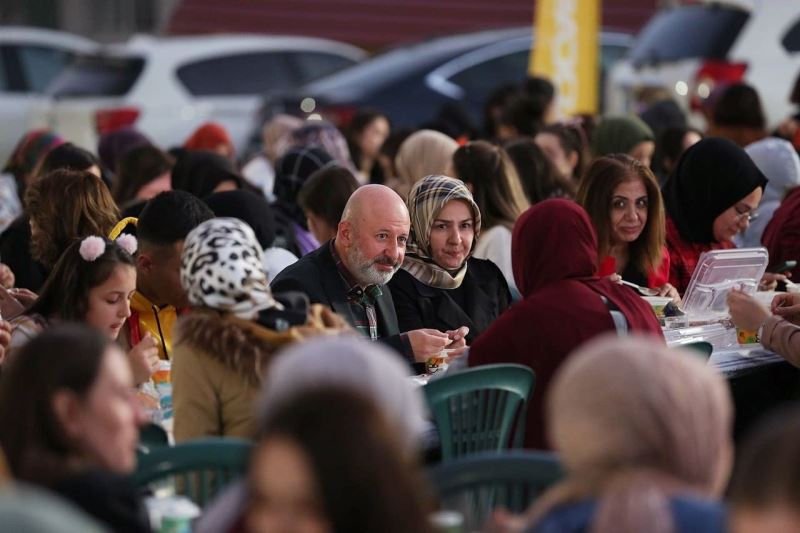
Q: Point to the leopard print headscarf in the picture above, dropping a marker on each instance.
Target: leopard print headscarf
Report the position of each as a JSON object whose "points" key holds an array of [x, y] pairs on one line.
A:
{"points": [[222, 268]]}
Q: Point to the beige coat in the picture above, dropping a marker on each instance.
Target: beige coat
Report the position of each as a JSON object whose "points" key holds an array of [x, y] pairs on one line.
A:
{"points": [[218, 364], [782, 337]]}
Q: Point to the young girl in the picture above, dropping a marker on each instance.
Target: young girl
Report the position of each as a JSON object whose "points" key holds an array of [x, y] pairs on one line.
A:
{"points": [[92, 282]]}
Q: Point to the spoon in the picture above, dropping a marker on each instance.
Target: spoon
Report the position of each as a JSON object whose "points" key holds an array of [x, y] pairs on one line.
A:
{"points": [[645, 291]]}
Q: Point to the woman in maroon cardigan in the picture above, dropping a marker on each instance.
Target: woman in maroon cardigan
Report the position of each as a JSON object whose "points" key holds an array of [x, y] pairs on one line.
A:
{"points": [[554, 256]]}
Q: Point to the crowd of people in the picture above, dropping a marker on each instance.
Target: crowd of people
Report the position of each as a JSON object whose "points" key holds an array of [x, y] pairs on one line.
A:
{"points": [[290, 297]]}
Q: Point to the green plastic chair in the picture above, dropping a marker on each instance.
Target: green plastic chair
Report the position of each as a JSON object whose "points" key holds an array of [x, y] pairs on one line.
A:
{"points": [[474, 486], [152, 435], [701, 348], [476, 410], [198, 469]]}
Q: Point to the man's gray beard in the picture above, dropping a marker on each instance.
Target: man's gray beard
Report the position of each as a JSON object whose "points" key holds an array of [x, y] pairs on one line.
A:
{"points": [[363, 268]]}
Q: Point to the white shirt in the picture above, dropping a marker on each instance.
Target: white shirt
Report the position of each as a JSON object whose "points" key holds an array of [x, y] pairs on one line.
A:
{"points": [[494, 244]]}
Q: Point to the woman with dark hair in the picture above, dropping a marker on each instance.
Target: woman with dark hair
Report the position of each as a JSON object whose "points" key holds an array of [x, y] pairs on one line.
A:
{"points": [[709, 199], [738, 115], [142, 172], [564, 302], [252, 209], [202, 173], [323, 198], [367, 132], [537, 173], [328, 460], [489, 174], [567, 148], [670, 145], [15, 243], [112, 147], [623, 200], [291, 172], [69, 422], [67, 156], [440, 285]]}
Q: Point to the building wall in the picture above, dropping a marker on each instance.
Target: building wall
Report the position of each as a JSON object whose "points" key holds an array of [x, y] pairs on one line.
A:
{"points": [[103, 20], [378, 23]]}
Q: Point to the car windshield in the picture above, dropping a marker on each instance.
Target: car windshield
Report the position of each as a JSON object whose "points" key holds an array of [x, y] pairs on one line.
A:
{"points": [[688, 32], [97, 76]]}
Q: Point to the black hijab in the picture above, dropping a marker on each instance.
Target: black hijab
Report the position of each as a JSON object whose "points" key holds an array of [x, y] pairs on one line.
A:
{"points": [[710, 177], [248, 207], [200, 172], [291, 172]]}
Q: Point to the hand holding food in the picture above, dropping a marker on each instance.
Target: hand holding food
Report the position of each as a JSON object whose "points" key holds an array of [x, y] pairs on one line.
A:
{"points": [[144, 358], [787, 305], [427, 343], [746, 312]]}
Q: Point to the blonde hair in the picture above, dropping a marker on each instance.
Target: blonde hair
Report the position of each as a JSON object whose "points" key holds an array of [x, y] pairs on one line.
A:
{"points": [[423, 153]]}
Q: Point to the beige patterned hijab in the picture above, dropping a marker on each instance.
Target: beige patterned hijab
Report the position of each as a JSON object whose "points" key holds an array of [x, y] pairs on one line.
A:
{"points": [[635, 423], [426, 200]]}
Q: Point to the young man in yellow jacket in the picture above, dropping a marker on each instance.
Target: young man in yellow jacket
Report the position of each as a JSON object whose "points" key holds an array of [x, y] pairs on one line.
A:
{"points": [[159, 298]]}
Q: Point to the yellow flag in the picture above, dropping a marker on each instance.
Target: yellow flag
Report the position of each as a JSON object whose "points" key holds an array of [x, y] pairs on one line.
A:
{"points": [[565, 51]]}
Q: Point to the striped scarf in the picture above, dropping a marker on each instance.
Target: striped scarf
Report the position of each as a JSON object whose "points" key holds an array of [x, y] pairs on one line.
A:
{"points": [[425, 201]]}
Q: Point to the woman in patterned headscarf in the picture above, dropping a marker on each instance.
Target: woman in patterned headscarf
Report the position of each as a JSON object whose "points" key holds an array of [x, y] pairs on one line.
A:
{"points": [[441, 285], [223, 346]]}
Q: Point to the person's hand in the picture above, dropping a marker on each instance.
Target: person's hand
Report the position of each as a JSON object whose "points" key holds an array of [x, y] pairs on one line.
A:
{"points": [[788, 128], [5, 339], [770, 281], [669, 291], [787, 305], [746, 312], [503, 521], [7, 278], [458, 341], [144, 359], [24, 296], [426, 343], [616, 278]]}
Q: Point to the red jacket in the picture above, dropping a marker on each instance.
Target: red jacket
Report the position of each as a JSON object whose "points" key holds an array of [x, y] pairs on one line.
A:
{"points": [[782, 234], [684, 255], [655, 278]]}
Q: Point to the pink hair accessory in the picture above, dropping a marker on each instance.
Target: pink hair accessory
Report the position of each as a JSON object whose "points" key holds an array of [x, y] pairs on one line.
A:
{"points": [[92, 248], [128, 242]]}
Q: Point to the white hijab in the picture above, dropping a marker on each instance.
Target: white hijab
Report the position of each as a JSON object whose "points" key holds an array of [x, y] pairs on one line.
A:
{"points": [[778, 161], [352, 362]]}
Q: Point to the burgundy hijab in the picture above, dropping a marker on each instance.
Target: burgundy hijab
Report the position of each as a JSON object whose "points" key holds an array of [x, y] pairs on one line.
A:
{"points": [[554, 258]]}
